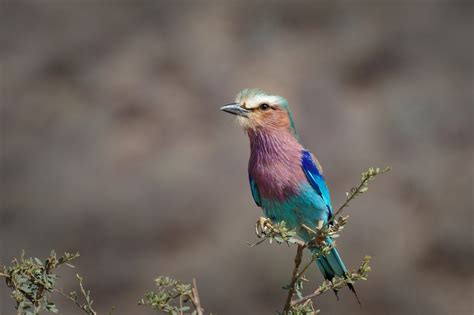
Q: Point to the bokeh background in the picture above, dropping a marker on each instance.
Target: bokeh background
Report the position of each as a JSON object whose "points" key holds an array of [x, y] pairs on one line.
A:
{"points": [[112, 144]]}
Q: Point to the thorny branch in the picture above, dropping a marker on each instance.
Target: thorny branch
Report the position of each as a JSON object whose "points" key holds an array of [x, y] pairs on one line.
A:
{"points": [[294, 277], [195, 299], [87, 305], [281, 234], [174, 297], [32, 283], [337, 283], [363, 187]]}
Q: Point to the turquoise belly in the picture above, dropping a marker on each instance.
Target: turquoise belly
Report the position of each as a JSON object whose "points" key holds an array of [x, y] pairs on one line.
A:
{"points": [[307, 207]]}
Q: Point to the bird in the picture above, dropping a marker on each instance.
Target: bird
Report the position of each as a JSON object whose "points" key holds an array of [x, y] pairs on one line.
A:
{"points": [[286, 180]]}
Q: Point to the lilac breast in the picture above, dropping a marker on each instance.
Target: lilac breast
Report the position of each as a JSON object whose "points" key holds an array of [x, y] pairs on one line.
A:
{"points": [[275, 164]]}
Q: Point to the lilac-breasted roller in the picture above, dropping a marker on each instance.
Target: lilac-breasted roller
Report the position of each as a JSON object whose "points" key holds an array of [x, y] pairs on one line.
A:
{"points": [[286, 180]]}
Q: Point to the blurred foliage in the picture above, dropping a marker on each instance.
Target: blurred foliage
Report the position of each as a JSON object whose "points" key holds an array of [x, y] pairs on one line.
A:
{"points": [[33, 281], [173, 297]]}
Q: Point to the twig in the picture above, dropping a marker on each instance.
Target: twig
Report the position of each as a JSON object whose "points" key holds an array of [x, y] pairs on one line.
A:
{"points": [[195, 299], [361, 188], [278, 232], [349, 199], [75, 301], [294, 278], [307, 297], [298, 274], [338, 282]]}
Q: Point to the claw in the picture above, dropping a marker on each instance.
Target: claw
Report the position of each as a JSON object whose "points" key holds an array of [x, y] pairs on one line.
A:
{"points": [[261, 226]]}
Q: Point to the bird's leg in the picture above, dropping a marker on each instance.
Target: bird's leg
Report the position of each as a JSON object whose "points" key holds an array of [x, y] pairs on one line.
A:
{"points": [[319, 224]]}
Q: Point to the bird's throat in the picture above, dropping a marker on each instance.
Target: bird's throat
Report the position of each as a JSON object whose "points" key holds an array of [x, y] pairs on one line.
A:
{"points": [[273, 144]]}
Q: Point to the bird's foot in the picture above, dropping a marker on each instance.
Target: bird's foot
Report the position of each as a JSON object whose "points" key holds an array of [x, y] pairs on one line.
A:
{"points": [[262, 225], [316, 234]]}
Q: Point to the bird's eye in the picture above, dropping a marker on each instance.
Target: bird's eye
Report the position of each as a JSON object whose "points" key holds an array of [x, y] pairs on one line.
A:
{"points": [[264, 106]]}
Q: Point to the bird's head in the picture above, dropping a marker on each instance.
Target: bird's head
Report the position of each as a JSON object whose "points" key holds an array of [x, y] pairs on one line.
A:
{"points": [[257, 110]]}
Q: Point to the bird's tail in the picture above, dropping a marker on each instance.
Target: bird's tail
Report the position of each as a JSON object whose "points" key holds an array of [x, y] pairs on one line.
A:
{"points": [[331, 265]]}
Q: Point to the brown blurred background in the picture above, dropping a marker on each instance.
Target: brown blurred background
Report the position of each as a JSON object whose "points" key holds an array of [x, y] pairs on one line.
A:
{"points": [[112, 144]]}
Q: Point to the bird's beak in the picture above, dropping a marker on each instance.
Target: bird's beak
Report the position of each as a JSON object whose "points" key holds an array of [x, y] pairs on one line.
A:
{"points": [[235, 109]]}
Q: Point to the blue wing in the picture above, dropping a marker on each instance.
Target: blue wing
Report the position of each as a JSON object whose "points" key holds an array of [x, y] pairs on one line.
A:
{"points": [[255, 193], [314, 175]]}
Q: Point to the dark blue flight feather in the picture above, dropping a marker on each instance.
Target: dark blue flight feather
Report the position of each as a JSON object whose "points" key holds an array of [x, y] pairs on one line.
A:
{"points": [[315, 178]]}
